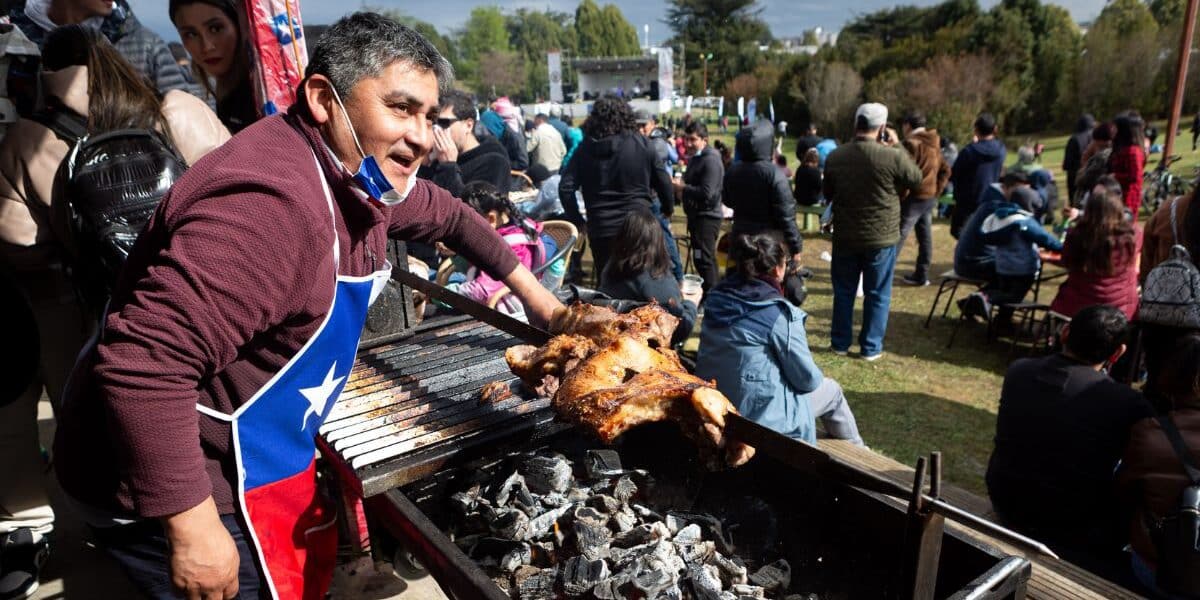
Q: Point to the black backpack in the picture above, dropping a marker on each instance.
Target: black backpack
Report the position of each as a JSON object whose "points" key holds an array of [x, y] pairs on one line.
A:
{"points": [[105, 192], [1177, 535]]}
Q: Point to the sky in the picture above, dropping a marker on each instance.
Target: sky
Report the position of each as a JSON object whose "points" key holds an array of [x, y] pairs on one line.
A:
{"points": [[787, 18]]}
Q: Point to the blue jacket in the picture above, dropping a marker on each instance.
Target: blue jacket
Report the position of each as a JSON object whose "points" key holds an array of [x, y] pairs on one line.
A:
{"points": [[977, 166], [1016, 235], [973, 257], [752, 342]]}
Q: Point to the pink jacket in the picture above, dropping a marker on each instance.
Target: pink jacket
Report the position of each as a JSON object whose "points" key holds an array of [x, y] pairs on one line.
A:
{"points": [[480, 286]]}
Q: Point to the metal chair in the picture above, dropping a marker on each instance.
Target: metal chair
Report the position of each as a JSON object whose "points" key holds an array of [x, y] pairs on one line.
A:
{"points": [[950, 282]]}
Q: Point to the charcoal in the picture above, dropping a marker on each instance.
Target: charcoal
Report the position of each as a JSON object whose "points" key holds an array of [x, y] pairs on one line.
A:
{"points": [[602, 463], [516, 557], [733, 572], [579, 575], [700, 553], [511, 524], [542, 553], [554, 500], [753, 591], [592, 536], [645, 513], [654, 580], [623, 520], [604, 503], [504, 583], [625, 489], [612, 588], [508, 488], [578, 495], [801, 597], [494, 548], [774, 577], [688, 535], [675, 522], [706, 583], [642, 534], [537, 586], [546, 474], [464, 503], [523, 573], [542, 524]]}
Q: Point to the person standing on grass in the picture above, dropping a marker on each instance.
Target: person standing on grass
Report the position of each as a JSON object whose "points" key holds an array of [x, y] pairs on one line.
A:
{"points": [[1128, 159], [863, 181], [700, 189], [977, 166], [1073, 155], [916, 209]]}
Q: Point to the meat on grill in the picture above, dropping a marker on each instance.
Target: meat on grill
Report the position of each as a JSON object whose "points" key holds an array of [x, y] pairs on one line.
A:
{"points": [[607, 378]]}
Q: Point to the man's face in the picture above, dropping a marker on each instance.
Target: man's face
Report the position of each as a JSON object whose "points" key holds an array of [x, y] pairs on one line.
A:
{"points": [[392, 114], [694, 143], [648, 128], [458, 128]]}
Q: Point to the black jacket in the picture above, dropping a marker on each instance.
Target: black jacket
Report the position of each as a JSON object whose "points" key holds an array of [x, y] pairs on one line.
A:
{"points": [[486, 162], [757, 191], [514, 144], [614, 173], [702, 189]]}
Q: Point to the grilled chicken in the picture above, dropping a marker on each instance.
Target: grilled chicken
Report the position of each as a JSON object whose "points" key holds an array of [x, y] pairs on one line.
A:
{"points": [[649, 324], [541, 368]]}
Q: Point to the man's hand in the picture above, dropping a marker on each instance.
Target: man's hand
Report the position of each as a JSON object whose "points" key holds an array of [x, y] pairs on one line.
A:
{"points": [[444, 145], [539, 303], [204, 559], [678, 183]]}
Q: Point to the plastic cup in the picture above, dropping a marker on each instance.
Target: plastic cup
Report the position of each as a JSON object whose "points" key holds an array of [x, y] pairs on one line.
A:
{"points": [[691, 285]]}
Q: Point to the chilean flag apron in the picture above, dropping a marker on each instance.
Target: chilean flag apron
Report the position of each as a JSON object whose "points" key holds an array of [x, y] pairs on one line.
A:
{"points": [[290, 526]]}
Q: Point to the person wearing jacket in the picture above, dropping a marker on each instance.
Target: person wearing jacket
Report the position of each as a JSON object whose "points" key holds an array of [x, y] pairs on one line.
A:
{"points": [[977, 166], [1151, 475], [513, 142], [1128, 159], [700, 190], [864, 180], [665, 153], [753, 344], [238, 315], [1016, 234], [616, 169], [461, 157], [522, 235], [974, 258], [1073, 155], [916, 209], [758, 192], [141, 47], [1100, 253], [221, 55], [77, 61]]}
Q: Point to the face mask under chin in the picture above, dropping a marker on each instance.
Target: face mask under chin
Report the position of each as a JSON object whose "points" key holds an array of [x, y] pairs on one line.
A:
{"points": [[369, 176]]}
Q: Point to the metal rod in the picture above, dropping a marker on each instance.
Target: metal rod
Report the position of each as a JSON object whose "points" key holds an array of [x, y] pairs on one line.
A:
{"points": [[985, 526], [935, 474], [1181, 69]]}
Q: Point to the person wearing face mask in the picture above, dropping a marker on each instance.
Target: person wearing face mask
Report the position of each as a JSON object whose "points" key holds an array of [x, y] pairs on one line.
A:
{"points": [[211, 33], [237, 319]]}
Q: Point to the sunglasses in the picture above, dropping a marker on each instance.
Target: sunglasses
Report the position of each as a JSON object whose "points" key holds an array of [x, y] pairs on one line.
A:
{"points": [[445, 122]]}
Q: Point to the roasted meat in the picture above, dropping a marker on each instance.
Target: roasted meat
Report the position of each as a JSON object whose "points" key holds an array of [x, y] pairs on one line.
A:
{"points": [[649, 324], [541, 368]]}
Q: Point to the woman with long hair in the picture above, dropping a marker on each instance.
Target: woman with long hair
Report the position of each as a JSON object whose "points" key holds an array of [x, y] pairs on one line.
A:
{"points": [[1101, 255], [1128, 159], [85, 79], [211, 32], [753, 344], [640, 269], [616, 169]]}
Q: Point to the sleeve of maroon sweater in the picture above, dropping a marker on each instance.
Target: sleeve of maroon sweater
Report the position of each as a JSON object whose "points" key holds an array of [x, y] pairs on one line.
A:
{"points": [[212, 279], [430, 214]]}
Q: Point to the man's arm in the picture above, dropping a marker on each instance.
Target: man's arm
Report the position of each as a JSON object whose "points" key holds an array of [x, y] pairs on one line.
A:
{"points": [[567, 184], [661, 182]]}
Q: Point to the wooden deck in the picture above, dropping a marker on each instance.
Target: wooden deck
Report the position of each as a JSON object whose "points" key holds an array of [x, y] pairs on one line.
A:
{"points": [[1052, 579]]}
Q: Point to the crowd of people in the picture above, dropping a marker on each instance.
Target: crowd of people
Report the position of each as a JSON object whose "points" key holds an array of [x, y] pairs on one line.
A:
{"points": [[195, 380]]}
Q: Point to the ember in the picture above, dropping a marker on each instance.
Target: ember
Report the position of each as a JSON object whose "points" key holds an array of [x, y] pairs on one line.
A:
{"points": [[541, 533]]}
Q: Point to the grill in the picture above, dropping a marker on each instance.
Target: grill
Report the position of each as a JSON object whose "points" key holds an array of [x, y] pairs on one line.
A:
{"points": [[408, 426]]}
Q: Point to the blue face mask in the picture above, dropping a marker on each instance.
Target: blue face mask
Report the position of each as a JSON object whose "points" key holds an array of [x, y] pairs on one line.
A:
{"points": [[369, 176]]}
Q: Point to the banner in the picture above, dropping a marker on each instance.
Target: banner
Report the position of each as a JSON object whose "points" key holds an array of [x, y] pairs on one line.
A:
{"points": [[721, 106], [752, 110], [687, 106], [278, 41], [741, 108], [554, 63], [666, 79]]}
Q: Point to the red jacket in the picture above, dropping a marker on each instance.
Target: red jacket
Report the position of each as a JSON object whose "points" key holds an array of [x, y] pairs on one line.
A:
{"points": [[1126, 164], [1083, 289], [232, 275]]}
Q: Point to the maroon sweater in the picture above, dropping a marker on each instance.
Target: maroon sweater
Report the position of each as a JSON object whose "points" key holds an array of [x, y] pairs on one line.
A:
{"points": [[232, 275]]}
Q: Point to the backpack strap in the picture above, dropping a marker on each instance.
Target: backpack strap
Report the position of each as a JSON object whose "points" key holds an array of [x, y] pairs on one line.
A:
{"points": [[1174, 223], [68, 125], [1180, 447]]}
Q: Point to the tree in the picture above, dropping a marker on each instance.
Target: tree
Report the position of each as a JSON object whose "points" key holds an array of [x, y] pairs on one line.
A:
{"points": [[1121, 58], [1057, 44], [730, 30], [621, 38], [950, 90], [424, 28], [831, 91], [589, 29], [604, 31], [501, 73], [534, 34], [1004, 34], [484, 32]]}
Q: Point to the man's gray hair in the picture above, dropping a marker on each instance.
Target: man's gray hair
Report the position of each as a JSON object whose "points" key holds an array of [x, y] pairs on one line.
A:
{"points": [[365, 43]]}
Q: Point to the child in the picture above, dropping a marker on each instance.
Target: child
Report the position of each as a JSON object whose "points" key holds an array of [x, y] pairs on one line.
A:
{"points": [[522, 235]]}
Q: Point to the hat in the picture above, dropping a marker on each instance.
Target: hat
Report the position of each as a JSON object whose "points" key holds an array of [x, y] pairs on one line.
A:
{"points": [[1014, 176], [642, 117], [1026, 198], [875, 113]]}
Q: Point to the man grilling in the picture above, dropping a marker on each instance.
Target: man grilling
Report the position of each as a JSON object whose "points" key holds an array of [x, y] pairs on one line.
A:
{"points": [[187, 436]]}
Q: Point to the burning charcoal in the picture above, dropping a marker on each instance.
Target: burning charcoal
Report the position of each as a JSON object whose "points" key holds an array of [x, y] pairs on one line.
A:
{"points": [[604, 503], [517, 557], [700, 553], [642, 534], [592, 536], [603, 463], [511, 486], [625, 489], [611, 588], [675, 522], [645, 513], [554, 500], [511, 524], [623, 520], [464, 502], [580, 575], [706, 583], [655, 581], [546, 474], [688, 535], [743, 591], [775, 577], [733, 572], [504, 583], [536, 586], [543, 523], [542, 553]]}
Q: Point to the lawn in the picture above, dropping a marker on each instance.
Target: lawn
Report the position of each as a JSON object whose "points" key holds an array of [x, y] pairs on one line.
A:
{"points": [[922, 397]]}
